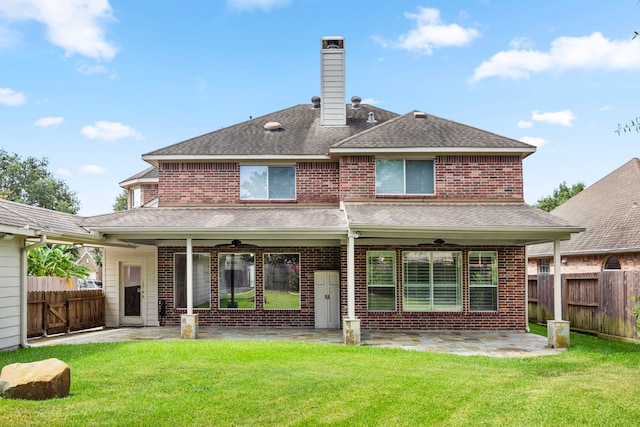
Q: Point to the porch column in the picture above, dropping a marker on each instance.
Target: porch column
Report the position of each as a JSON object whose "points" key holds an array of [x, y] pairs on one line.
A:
{"points": [[557, 330], [351, 324], [189, 321]]}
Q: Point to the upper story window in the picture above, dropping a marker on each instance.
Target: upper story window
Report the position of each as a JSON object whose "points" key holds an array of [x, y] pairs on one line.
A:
{"points": [[267, 182], [401, 176]]}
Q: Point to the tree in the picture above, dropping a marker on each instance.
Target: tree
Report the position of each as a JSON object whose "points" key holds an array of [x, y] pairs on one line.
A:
{"points": [[28, 181], [122, 201], [56, 261], [560, 195]]}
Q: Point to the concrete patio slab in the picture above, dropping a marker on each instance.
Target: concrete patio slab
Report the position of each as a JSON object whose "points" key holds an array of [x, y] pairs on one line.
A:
{"points": [[466, 343]]}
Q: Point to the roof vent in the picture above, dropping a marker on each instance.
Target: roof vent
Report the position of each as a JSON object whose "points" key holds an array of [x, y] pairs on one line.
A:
{"points": [[273, 126], [419, 115], [371, 118], [355, 102], [315, 100]]}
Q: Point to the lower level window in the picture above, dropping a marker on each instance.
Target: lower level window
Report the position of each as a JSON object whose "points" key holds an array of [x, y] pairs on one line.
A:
{"points": [[236, 280], [201, 273], [483, 281], [381, 280], [281, 281], [431, 281]]}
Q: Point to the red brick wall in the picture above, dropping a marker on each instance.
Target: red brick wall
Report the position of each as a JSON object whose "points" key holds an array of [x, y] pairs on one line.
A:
{"points": [[198, 183], [457, 177], [479, 177], [578, 264], [511, 312], [311, 259], [149, 192], [219, 183]]}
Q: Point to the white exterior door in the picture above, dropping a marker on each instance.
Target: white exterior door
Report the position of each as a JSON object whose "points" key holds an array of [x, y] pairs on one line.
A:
{"points": [[327, 299], [132, 293]]}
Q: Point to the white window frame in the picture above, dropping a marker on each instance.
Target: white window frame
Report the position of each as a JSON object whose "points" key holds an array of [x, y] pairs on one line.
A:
{"points": [[404, 177], [136, 197], [264, 281], [268, 168], [433, 306], [392, 284], [478, 279]]}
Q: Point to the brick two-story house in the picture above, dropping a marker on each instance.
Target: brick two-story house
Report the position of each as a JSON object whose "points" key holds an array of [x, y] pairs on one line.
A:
{"points": [[328, 215]]}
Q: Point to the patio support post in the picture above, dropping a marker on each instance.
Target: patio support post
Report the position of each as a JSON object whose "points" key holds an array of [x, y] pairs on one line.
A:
{"points": [[351, 324], [557, 330], [189, 321]]}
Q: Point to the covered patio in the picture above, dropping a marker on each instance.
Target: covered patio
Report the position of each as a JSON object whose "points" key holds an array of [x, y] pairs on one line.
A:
{"points": [[465, 343]]}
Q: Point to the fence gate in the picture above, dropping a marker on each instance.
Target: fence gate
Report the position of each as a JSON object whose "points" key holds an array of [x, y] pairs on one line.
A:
{"points": [[55, 312]]}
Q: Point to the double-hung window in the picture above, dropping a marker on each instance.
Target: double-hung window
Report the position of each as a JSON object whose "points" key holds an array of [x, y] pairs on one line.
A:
{"points": [[267, 182], [483, 281], [400, 176], [281, 281], [381, 280], [201, 273], [431, 281]]}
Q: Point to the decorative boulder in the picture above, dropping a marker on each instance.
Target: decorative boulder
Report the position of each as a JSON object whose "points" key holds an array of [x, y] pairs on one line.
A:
{"points": [[41, 380]]}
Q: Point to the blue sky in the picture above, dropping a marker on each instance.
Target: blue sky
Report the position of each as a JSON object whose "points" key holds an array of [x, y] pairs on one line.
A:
{"points": [[93, 84]]}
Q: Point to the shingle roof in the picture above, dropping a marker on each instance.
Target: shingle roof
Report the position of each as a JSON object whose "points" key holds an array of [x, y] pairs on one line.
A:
{"points": [[27, 217], [416, 129], [300, 134], [216, 219], [463, 223], [149, 174], [610, 211]]}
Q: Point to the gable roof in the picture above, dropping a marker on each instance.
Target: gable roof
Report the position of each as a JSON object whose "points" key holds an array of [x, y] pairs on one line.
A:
{"points": [[147, 176], [423, 131], [300, 135], [31, 221], [610, 211]]}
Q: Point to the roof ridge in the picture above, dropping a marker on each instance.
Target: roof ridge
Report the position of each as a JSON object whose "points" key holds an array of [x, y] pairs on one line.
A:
{"points": [[366, 131]]}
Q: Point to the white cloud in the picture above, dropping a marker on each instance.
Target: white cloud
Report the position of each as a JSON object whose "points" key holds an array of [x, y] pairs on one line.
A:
{"points": [[88, 69], [532, 140], [563, 118], [77, 26], [11, 98], [91, 170], [48, 121], [520, 43], [594, 52], [109, 131], [265, 5], [63, 172], [606, 108], [524, 124], [430, 33]]}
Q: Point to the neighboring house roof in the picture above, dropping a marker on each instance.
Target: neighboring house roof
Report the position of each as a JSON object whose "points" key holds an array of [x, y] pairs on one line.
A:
{"points": [[147, 176], [30, 221], [610, 211], [424, 131]]}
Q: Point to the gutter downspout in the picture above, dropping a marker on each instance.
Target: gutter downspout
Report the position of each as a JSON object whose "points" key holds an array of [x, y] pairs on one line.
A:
{"points": [[526, 289], [23, 289]]}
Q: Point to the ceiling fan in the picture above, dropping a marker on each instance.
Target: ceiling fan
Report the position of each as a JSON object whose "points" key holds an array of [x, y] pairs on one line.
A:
{"points": [[235, 243], [439, 243]]}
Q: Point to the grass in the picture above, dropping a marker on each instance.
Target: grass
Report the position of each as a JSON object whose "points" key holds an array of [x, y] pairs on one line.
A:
{"points": [[282, 383], [276, 299]]}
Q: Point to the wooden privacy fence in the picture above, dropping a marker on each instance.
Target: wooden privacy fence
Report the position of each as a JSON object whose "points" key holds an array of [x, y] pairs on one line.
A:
{"points": [[596, 302], [54, 312]]}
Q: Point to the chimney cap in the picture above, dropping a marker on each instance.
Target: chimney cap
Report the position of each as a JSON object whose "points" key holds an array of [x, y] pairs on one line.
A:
{"points": [[333, 42]]}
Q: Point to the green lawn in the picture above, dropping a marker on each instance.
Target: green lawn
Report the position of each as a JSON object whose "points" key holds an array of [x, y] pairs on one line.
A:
{"points": [[179, 383]]}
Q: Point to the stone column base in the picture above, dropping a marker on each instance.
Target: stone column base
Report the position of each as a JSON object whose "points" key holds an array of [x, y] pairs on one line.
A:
{"points": [[189, 326], [558, 333], [351, 331]]}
